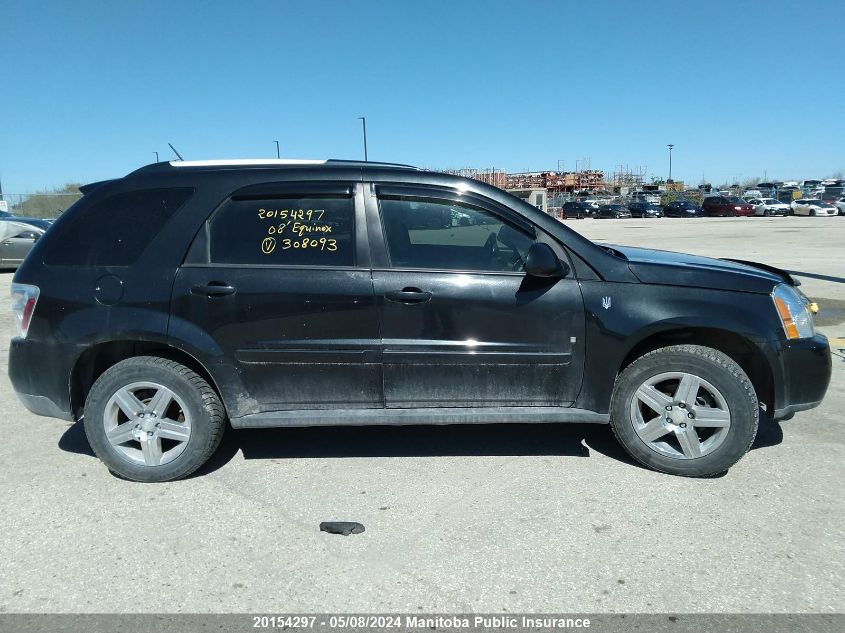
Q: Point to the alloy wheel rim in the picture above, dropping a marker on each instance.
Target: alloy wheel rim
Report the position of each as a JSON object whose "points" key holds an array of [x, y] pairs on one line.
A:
{"points": [[680, 415], [147, 423]]}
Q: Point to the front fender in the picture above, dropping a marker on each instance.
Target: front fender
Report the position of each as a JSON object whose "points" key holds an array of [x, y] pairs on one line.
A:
{"points": [[619, 317]]}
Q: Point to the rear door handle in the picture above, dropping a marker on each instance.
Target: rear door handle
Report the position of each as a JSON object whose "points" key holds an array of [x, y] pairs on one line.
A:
{"points": [[408, 295], [213, 289]]}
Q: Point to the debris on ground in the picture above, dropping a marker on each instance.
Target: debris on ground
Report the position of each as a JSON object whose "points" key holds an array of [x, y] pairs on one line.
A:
{"points": [[341, 527]]}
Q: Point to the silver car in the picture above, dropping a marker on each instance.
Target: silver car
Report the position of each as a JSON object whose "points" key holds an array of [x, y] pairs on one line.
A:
{"points": [[769, 206], [16, 240], [813, 206]]}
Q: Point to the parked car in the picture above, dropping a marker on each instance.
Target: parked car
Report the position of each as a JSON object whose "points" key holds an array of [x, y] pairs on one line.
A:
{"points": [[16, 240], [840, 205], [646, 196], [813, 206], [726, 206], [682, 209], [579, 210], [645, 209], [276, 293], [36, 222], [769, 206], [617, 211]]}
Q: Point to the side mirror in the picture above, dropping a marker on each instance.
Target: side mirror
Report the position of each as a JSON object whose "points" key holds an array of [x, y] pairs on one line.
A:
{"points": [[541, 261]]}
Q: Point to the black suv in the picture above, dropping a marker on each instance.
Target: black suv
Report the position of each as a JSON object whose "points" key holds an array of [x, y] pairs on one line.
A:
{"points": [[683, 209], [579, 210], [268, 294], [642, 209]]}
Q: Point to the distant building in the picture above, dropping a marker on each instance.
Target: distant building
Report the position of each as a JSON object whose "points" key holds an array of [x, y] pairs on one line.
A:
{"points": [[491, 176], [551, 183], [536, 196]]}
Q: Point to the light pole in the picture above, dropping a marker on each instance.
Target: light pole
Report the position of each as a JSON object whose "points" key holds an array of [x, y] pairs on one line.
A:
{"points": [[364, 124], [670, 146], [156, 153], [278, 155]]}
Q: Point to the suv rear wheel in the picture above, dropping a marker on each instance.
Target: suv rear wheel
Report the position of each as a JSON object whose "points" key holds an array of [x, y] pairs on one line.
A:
{"points": [[153, 419], [685, 410]]}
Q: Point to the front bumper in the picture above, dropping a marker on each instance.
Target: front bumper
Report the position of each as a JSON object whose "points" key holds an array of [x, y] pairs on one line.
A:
{"points": [[805, 367]]}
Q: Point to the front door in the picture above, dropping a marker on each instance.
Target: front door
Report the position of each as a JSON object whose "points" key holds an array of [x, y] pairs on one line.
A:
{"points": [[462, 325], [276, 280]]}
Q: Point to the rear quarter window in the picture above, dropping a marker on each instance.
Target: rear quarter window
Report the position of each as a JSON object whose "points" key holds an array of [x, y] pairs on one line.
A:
{"points": [[115, 230]]}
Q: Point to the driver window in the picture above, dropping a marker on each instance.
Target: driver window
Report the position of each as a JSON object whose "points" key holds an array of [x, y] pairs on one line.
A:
{"points": [[442, 235]]}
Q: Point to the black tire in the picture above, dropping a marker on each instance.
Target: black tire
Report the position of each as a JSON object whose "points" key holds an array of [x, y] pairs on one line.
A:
{"points": [[716, 368], [202, 402], [813, 212], [767, 213]]}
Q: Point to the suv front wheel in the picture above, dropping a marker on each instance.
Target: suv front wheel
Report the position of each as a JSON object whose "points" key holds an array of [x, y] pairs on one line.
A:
{"points": [[685, 410], [153, 419]]}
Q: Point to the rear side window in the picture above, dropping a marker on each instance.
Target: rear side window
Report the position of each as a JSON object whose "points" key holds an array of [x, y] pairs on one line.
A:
{"points": [[291, 231], [114, 231]]}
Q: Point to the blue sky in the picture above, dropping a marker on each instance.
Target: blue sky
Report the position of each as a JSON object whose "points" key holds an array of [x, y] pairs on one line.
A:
{"points": [[92, 89]]}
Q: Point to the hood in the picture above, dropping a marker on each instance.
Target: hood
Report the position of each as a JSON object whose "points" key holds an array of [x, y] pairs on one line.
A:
{"points": [[681, 269]]}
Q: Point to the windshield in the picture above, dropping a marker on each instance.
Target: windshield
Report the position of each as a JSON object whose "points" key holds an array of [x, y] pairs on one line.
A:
{"points": [[734, 200]]}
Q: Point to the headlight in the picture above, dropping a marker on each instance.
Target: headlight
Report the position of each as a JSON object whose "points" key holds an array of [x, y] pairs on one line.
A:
{"points": [[794, 311]]}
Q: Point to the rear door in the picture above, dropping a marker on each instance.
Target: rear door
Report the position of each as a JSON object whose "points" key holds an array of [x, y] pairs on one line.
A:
{"points": [[279, 279], [462, 325]]}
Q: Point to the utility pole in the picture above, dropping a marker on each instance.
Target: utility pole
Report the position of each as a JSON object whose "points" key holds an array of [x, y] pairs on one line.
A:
{"points": [[364, 124], [670, 146], [278, 154]]}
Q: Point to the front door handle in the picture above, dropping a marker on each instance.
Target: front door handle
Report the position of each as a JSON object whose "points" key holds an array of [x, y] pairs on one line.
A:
{"points": [[213, 289], [408, 295]]}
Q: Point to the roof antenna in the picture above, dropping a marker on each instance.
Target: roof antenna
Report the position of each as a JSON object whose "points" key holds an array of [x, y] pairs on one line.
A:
{"points": [[175, 152]]}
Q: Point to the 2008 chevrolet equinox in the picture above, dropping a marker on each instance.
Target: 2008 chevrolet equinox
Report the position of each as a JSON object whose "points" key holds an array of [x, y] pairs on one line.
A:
{"points": [[299, 293]]}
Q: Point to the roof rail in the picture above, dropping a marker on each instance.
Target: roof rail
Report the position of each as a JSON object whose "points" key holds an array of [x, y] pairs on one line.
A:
{"points": [[280, 162], [238, 162]]}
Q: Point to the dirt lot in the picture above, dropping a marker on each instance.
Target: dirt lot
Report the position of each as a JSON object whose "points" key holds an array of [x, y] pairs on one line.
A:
{"points": [[458, 519]]}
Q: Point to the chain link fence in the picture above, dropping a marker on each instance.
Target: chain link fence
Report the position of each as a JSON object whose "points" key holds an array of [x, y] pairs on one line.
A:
{"points": [[45, 205]]}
